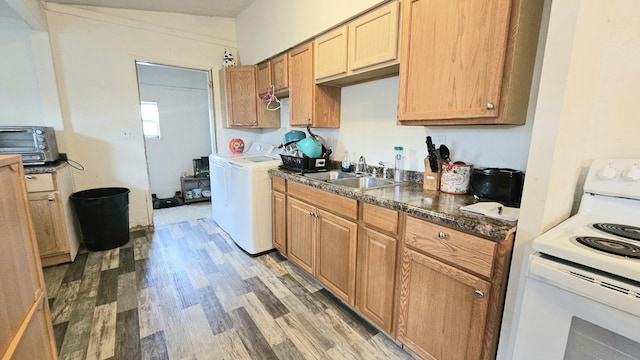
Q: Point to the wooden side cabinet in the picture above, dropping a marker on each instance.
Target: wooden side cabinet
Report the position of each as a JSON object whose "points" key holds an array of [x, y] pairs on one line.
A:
{"points": [[55, 225], [451, 292], [280, 74], [25, 320], [309, 103], [467, 62]]}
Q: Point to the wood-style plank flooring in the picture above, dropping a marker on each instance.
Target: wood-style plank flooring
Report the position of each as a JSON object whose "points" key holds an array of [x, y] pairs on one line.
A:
{"points": [[186, 291]]}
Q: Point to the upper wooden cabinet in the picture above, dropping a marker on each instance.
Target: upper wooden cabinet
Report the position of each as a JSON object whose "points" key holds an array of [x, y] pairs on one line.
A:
{"points": [[280, 74], [363, 49], [244, 108], [467, 62], [309, 103], [263, 77]]}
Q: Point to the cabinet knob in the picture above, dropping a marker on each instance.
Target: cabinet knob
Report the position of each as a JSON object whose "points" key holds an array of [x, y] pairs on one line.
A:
{"points": [[442, 235], [313, 214], [479, 294], [51, 199], [490, 106], [29, 176]]}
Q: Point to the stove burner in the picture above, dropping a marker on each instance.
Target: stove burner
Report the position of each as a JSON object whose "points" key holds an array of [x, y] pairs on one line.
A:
{"points": [[611, 246], [626, 231]]}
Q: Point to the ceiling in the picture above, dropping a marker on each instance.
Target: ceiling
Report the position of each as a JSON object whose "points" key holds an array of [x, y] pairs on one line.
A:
{"points": [[217, 8]]}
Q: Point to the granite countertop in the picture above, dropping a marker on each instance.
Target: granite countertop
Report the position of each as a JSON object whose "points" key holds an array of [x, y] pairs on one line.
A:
{"points": [[44, 169], [409, 197]]}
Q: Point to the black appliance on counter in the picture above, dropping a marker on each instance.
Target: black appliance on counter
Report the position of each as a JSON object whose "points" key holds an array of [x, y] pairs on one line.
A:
{"points": [[498, 184]]}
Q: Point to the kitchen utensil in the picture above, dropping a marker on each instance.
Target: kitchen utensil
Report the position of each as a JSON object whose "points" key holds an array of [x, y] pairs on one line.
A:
{"points": [[444, 153], [317, 137], [310, 146], [433, 158], [293, 135], [499, 184], [455, 178], [197, 193]]}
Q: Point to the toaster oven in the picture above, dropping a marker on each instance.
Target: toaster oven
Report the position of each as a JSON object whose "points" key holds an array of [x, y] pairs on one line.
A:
{"points": [[36, 144]]}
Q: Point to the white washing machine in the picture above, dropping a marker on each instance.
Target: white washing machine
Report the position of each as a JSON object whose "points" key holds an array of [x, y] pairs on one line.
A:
{"points": [[241, 196]]}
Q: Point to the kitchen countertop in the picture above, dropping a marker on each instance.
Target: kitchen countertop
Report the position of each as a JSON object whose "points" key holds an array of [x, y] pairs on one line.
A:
{"points": [[431, 205], [43, 169]]}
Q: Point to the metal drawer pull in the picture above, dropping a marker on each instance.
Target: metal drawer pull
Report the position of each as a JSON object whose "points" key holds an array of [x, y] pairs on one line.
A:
{"points": [[442, 235], [490, 106], [479, 294], [29, 176], [313, 214], [51, 199]]}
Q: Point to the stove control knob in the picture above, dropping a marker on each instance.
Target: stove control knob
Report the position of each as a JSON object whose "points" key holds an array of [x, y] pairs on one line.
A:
{"points": [[607, 173], [632, 173]]}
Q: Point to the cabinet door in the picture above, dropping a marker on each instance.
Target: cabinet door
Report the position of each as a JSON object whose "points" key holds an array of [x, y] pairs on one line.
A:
{"points": [[301, 83], [48, 223], [279, 204], [376, 277], [240, 83], [373, 38], [25, 327], [301, 234], [280, 74], [263, 79], [336, 257], [331, 53], [453, 56], [442, 310]]}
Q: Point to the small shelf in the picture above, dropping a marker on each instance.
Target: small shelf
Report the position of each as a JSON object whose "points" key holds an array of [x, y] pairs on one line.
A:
{"points": [[188, 183]]}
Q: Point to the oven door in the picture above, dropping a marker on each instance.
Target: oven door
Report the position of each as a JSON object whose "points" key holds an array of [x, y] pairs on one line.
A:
{"points": [[571, 312]]}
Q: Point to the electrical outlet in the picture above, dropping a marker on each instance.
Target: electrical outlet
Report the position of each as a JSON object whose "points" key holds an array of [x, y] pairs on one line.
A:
{"points": [[126, 134], [439, 140]]}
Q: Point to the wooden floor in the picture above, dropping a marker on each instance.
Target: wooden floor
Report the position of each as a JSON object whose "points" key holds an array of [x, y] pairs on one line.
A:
{"points": [[186, 291]]}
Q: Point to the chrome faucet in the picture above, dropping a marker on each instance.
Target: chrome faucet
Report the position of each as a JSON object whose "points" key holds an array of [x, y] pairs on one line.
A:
{"points": [[361, 167], [384, 169]]}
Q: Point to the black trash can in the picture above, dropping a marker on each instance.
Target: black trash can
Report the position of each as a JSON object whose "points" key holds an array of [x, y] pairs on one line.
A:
{"points": [[103, 214]]}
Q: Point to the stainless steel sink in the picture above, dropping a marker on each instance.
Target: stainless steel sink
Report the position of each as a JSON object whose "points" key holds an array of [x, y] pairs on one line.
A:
{"points": [[363, 182], [330, 175]]}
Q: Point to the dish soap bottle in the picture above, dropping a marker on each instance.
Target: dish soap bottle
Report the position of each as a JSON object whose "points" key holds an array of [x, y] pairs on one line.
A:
{"points": [[397, 175], [346, 162]]}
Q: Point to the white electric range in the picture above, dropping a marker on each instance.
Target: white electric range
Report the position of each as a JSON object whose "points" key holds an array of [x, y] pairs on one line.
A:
{"points": [[582, 293], [241, 195]]}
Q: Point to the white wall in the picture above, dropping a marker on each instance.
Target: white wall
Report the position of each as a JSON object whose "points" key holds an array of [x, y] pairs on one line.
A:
{"points": [[182, 96], [95, 50], [268, 27], [587, 109]]}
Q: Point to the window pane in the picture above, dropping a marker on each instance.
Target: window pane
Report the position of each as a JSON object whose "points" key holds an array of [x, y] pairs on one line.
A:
{"points": [[150, 119]]}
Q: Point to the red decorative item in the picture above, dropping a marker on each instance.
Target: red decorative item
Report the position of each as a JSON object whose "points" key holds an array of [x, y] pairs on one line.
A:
{"points": [[236, 146]]}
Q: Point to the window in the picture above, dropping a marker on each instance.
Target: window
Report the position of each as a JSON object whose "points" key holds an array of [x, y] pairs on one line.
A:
{"points": [[150, 119]]}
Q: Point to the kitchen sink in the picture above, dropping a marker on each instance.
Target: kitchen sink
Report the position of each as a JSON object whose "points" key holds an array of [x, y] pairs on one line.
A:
{"points": [[363, 182], [330, 175]]}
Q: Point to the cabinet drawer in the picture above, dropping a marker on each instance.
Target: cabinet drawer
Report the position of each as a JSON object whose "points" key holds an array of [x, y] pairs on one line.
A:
{"points": [[381, 218], [464, 250], [39, 182], [335, 203], [279, 184]]}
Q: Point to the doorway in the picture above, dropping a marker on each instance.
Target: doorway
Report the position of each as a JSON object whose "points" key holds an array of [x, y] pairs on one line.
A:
{"points": [[178, 128]]}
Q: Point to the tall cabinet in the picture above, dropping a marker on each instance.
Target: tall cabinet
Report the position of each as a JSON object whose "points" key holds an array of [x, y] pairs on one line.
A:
{"points": [[25, 321]]}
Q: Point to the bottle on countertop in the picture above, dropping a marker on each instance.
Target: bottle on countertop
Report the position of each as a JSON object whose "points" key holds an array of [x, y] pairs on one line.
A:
{"points": [[397, 174], [346, 162]]}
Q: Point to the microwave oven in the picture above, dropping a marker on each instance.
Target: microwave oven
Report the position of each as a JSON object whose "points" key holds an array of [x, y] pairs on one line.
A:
{"points": [[36, 144]]}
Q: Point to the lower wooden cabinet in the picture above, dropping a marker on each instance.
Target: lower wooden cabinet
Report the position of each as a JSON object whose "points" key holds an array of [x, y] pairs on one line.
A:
{"points": [[301, 234], [54, 223], [376, 277], [336, 254], [279, 206], [25, 321], [442, 310]]}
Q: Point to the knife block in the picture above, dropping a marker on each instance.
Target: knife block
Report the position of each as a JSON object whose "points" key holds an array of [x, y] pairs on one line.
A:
{"points": [[431, 180]]}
